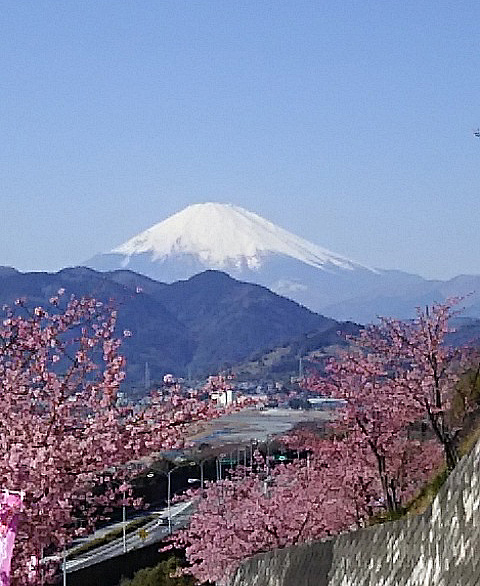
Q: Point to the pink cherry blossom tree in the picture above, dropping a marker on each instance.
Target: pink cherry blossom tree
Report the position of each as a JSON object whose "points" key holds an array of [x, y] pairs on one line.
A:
{"points": [[408, 464], [251, 512], [374, 416], [426, 369], [393, 375], [65, 439], [336, 488]]}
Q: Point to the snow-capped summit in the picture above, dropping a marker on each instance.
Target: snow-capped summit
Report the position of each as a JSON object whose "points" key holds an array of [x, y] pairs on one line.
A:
{"points": [[224, 236], [250, 248]]}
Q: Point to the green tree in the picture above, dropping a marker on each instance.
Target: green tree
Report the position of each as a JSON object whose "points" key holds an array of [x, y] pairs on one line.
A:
{"points": [[160, 575]]}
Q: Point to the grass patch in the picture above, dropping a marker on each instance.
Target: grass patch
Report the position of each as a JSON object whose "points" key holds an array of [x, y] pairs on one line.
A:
{"points": [[418, 504], [425, 497], [386, 516], [467, 443]]}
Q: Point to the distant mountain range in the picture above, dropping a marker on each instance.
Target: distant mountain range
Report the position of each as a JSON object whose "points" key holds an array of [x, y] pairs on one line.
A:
{"points": [[247, 247], [208, 322]]}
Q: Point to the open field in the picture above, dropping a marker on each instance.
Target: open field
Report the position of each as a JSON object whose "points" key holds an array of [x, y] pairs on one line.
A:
{"points": [[241, 427]]}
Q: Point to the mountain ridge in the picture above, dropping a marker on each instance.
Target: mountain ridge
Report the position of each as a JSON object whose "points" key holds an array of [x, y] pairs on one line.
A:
{"points": [[203, 324]]}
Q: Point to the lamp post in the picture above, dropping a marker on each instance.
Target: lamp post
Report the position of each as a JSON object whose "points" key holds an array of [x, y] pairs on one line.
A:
{"points": [[169, 501], [201, 463], [266, 485], [124, 524], [219, 467], [253, 447], [169, 492], [64, 566], [168, 474], [267, 450]]}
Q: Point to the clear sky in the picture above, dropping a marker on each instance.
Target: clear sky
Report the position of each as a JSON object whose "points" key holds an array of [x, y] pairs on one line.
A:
{"points": [[347, 122]]}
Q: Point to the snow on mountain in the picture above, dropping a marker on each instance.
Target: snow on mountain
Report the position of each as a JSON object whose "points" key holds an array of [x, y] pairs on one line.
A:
{"points": [[223, 236], [249, 248]]}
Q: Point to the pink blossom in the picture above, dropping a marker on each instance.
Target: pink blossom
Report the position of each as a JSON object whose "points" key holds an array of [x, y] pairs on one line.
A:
{"points": [[64, 434]]}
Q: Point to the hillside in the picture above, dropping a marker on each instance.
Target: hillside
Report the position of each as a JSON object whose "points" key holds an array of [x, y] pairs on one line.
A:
{"points": [[199, 325], [283, 361], [158, 337], [231, 320]]}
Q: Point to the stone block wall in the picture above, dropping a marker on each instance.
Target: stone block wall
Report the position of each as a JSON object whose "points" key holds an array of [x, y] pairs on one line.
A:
{"points": [[437, 548]]}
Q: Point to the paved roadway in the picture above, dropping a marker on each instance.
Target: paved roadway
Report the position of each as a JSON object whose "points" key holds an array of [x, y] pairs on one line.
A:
{"points": [[231, 429], [155, 531]]}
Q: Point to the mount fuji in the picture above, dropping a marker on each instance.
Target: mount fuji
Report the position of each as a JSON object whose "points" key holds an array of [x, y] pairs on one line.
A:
{"points": [[250, 248]]}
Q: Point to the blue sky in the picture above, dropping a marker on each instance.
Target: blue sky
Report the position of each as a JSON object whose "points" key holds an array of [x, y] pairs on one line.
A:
{"points": [[347, 122]]}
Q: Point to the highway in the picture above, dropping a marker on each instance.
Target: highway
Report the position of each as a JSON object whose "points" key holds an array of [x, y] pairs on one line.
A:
{"points": [[150, 533]]}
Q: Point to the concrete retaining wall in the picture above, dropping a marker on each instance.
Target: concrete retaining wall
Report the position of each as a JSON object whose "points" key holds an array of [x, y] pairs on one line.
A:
{"points": [[438, 548]]}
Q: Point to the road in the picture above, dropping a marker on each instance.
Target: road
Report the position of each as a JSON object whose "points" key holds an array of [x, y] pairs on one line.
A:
{"points": [[234, 428], [154, 531]]}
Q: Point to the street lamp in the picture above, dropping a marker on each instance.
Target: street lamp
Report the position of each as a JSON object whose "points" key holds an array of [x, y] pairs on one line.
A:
{"points": [[267, 483], [267, 452], [64, 566], [200, 459], [169, 500], [200, 464], [168, 474], [253, 447], [124, 524]]}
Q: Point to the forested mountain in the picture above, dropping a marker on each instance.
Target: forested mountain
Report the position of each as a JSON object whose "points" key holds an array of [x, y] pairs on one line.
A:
{"points": [[202, 324]]}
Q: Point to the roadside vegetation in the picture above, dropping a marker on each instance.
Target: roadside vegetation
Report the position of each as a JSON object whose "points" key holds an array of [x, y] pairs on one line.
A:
{"points": [[163, 574]]}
